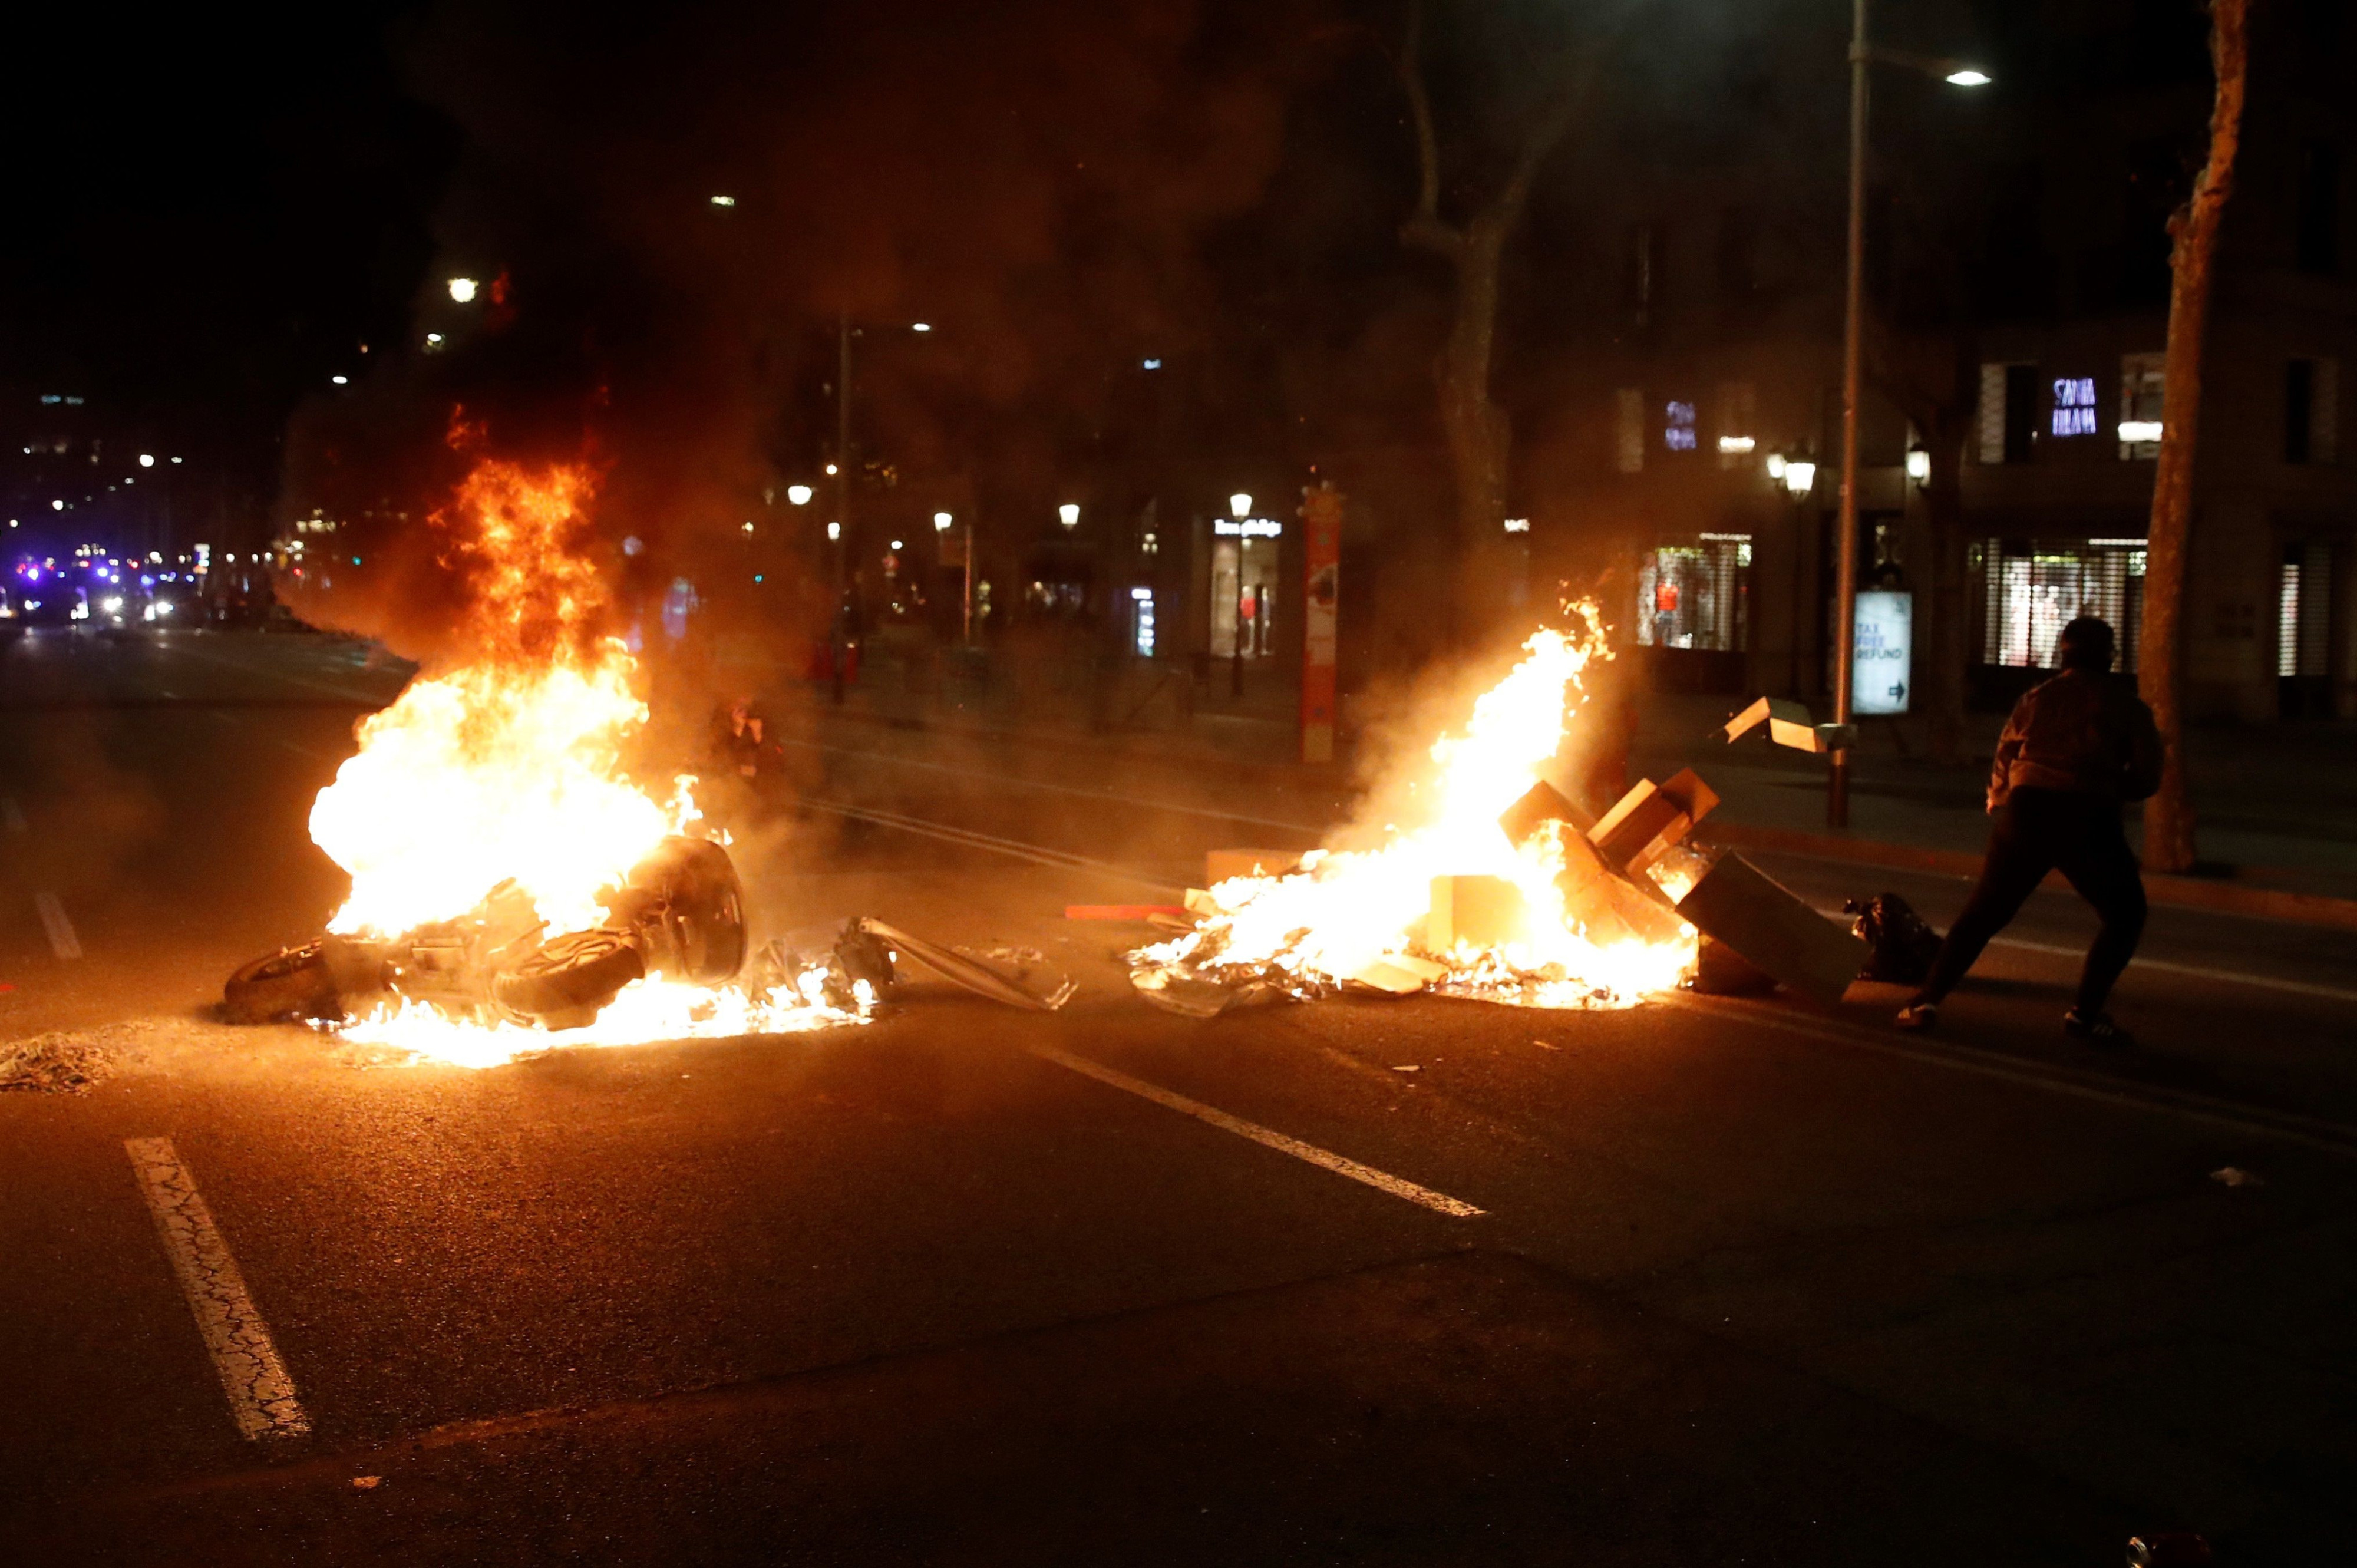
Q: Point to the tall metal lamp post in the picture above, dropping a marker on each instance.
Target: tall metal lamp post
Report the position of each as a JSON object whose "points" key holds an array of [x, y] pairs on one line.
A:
{"points": [[1956, 73]]}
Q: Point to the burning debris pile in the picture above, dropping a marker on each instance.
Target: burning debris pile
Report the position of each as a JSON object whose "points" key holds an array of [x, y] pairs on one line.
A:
{"points": [[1507, 890], [509, 876]]}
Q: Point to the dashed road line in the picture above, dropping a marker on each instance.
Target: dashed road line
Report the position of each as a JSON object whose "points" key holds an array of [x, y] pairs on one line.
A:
{"points": [[11, 814], [261, 1395], [1325, 1159], [62, 940]]}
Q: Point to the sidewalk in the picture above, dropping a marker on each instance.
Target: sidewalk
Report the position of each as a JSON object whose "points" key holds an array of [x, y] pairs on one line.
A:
{"points": [[2276, 807]]}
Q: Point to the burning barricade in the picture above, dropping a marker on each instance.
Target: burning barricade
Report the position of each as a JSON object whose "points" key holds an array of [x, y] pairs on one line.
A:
{"points": [[1507, 890]]}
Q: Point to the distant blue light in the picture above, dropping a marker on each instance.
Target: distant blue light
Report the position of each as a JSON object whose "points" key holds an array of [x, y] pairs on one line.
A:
{"points": [[1152, 364]]}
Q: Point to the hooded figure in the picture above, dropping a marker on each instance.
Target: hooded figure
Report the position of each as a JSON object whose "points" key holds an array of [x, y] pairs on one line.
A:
{"points": [[2077, 749]]}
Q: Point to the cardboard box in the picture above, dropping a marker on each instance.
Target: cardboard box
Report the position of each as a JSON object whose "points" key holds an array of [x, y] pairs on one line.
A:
{"points": [[1609, 906], [1480, 910], [1650, 818], [1540, 804], [1757, 917], [1789, 725]]}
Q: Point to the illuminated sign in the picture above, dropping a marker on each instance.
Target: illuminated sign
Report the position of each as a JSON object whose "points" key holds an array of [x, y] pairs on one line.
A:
{"points": [[1678, 435], [1247, 527], [1883, 652], [2074, 406]]}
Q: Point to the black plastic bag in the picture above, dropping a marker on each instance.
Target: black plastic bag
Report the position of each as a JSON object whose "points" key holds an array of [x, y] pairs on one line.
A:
{"points": [[1904, 946]]}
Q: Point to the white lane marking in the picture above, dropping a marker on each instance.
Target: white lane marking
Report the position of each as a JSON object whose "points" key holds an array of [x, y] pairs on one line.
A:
{"points": [[2312, 1130], [261, 1395], [2190, 971], [11, 815], [1381, 1181], [62, 940], [1060, 789]]}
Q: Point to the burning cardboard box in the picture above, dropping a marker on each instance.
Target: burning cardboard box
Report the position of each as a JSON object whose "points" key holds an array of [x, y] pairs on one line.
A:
{"points": [[1607, 888]]}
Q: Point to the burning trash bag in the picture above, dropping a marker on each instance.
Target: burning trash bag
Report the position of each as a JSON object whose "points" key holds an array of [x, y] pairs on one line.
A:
{"points": [[679, 914]]}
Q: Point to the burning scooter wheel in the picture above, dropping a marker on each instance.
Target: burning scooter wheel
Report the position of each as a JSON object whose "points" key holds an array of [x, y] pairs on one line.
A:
{"points": [[293, 983], [565, 984]]}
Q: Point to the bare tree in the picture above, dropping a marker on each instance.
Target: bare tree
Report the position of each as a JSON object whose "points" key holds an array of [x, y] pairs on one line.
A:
{"points": [[2193, 231], [1479, 435]]}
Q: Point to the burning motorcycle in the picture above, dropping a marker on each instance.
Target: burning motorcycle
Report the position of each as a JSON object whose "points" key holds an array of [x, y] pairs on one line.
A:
{"points": [[679, 914]]}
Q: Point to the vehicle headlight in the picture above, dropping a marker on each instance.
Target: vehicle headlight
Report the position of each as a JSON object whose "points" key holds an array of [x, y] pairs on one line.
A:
{"points": [[113, 605]]}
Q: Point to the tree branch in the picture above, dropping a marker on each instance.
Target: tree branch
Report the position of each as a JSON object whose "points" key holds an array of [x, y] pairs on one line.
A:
{"points": [[1580, 74], [1424, 227]]}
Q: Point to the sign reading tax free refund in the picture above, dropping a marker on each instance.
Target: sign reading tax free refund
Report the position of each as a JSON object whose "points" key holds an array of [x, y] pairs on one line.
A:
{"points": [[1882, 669]]}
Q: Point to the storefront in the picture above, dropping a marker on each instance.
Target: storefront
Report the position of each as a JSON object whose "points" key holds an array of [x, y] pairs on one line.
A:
{"points": [[2030, 589], [1245, 581]]}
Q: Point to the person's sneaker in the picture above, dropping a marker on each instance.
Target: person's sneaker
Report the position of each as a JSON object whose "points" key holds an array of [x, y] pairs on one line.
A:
{"points": [[1918, 1016], [2096, 1028]]}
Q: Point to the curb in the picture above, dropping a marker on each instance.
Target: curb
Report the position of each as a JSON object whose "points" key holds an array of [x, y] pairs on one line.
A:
{"points": [[2179, 892]]}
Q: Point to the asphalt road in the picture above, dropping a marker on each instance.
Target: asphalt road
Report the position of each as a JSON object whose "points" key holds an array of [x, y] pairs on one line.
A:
{"points": [[1748, 1282]]}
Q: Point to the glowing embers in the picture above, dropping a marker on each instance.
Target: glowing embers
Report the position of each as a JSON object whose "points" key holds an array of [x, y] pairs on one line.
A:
{"points": [[1365, 917]]}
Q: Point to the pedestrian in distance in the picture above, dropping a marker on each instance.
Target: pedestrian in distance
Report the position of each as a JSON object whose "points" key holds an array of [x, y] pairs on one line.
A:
{"points": [[2077, 749]]}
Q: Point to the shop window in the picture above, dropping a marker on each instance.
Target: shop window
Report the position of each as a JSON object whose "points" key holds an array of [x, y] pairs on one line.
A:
{"points": [[1243, 597], [2009, 412], [1739, 414], [2302, 596], [2311, 410], [1697, 595], [1629, 430], [2316, 223], [1141, 622], [2143, 385], [2031, 591]]}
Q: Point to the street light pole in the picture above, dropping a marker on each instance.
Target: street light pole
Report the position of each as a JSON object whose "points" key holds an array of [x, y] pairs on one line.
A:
{"points": [[842, 628], [1956, 73], [1853, 376]]}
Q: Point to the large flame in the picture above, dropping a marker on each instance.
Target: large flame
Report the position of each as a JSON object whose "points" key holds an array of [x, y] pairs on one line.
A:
{"points": [[510, 767], [1345, 910]]}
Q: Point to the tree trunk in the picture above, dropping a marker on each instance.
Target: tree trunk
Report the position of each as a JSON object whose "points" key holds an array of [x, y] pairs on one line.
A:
{"points": [[1479, 435], [2168, 816]]}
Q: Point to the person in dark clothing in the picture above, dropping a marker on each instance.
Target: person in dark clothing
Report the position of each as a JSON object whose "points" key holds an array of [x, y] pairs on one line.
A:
{"points": [[2076, 748]]}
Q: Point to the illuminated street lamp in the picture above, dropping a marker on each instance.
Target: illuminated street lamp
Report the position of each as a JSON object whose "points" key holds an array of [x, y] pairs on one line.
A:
{"points": [[146, 459], [463, 290], [799, 494], [1919, 465], [942, 521], [1240, 505], [1800, 477], [1069, 515], [1959, 74]]}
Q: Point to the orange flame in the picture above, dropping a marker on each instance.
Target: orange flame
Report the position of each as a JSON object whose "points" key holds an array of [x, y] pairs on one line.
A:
{"points": [[1346, 910], [510, 767]]}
